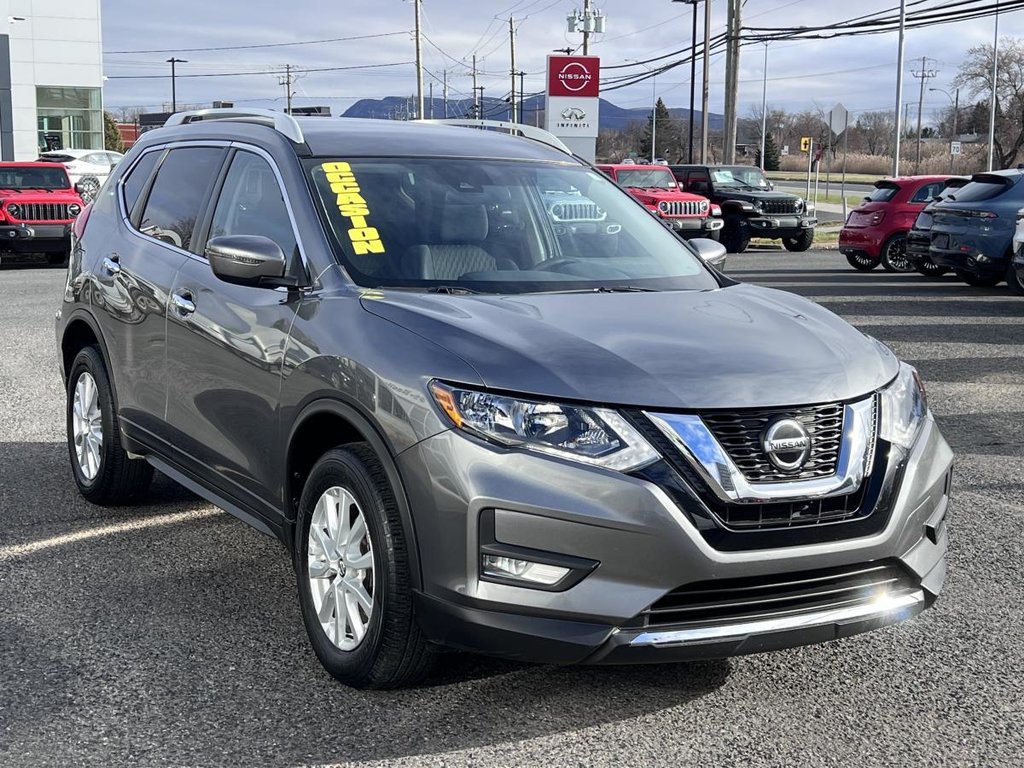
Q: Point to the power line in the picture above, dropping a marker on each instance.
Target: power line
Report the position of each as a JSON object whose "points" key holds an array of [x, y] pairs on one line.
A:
{"points": [[262, 45], [280, 71]]}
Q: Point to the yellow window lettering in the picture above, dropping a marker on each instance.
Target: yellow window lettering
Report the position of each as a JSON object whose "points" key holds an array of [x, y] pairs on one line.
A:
{"points": [[348, 211], [345, 178], [340, 189], [357, 222], [363, 234], [371, 246], [350, 198], [337, 167]]}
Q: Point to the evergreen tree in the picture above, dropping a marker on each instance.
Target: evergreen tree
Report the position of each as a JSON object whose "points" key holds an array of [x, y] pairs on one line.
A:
{"points": [[771, 153], [111, 136], [666, 138]]}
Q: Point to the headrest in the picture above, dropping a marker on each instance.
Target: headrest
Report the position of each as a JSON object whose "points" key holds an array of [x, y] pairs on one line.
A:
{"points": [[463, 223]]}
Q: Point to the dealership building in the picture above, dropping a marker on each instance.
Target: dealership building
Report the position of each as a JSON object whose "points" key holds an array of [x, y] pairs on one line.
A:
{"points": [[51, 76]]}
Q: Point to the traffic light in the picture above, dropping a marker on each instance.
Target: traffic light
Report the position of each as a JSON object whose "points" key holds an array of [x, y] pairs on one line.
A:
{"points": [[805, 143]]}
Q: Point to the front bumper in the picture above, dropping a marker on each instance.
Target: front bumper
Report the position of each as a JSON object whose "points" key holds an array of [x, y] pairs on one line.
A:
{"points": [[692, 226], [35, 238], [645, 546], [776, 226]]}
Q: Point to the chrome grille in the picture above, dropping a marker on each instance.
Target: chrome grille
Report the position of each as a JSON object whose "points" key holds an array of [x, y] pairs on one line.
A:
{"points": [[42, 212], [577, 211], [740, 433], [756, 597], [778, 206], [683, 207]]}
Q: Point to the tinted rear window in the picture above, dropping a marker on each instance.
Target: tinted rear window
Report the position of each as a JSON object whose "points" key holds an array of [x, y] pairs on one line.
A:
{"points": [[882, 194], [982, 187], [136, 180], [182, 186]]}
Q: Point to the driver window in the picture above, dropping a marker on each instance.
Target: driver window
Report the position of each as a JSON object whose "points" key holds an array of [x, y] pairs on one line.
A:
{"points": [[251, 204]]}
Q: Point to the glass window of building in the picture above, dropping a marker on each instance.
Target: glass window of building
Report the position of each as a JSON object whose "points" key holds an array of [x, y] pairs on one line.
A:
{"points": [[69, 118]]}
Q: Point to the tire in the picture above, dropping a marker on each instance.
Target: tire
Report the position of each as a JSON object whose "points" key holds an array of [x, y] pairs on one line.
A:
{"points": [[391, 651], [90, 187], [58, 259], [800, 243], [735, 235], [1013, 281], [979, 281], [861, 262], [894, 255], [102, 470], [929, 268]]}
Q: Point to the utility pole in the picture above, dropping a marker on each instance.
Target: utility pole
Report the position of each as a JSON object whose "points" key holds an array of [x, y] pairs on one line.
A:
{"points": [[512, 60], [174, 90], [992, 101], [419, 62], [734, 23], [431, 107], [586, 24], [924, 75], [444, 91], [764, 105], [479, 107], [704, 91], [693, 78], [287, 81], [898, 133], [522, 97], [476, 104]]}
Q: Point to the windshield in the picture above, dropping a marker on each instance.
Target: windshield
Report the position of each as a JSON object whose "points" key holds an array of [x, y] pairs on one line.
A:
{"points": [[647, 178], [14, 177], [739, 176], [495, 226]]}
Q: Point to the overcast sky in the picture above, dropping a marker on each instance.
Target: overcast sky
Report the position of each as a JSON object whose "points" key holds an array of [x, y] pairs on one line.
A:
{"points": [[859, 72]]}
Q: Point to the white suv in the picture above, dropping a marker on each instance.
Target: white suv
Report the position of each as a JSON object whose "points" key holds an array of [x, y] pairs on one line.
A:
{"points": [[87, 167]]}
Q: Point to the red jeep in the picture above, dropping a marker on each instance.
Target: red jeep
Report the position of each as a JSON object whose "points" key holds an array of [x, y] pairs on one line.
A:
{"points": [[687, 214], [37, 208]]}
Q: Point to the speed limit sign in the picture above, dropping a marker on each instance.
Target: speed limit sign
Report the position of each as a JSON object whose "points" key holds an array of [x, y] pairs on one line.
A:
{"points": [[954, 147]]}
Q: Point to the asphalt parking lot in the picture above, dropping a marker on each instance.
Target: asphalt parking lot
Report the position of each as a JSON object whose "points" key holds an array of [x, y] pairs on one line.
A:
{"points": [[169, 634]]}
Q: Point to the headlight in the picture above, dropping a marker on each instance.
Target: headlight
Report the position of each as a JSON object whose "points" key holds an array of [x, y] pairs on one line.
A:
{"points": [[904, 406], [799, 205], [74, 209], [14, 209], [596, 436]]}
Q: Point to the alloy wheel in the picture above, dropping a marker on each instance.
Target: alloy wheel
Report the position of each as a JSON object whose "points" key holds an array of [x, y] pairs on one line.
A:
{"points": [[340, 568], [896, 256], [87, 426]]}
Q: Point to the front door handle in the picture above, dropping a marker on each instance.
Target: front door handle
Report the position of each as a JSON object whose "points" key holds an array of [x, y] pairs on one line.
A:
{"points": [[182, 303], [112, 264]]}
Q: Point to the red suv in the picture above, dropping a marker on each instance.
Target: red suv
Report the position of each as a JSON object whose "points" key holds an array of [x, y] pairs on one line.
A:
{"points": [[655, 186], [876, 230], [37, 207]]}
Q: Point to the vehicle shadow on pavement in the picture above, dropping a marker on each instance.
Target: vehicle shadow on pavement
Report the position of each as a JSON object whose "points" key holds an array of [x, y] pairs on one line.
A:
{"points": [[182, 643]]}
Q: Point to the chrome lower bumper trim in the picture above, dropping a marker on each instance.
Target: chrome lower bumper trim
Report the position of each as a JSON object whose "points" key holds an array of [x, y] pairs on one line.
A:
{"points": [[880, 608]]}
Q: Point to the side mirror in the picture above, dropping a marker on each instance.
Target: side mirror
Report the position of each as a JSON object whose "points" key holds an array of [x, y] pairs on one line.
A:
{"points": [[78, 188], [247, 260], [711, 251]]}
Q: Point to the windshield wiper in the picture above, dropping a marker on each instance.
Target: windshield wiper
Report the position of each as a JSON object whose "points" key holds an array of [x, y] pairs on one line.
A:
{"points": [[450, 289], [625, 289]]}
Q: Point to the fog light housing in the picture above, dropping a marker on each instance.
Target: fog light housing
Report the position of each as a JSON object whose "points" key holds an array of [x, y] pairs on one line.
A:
{"points": [[525, 570]]}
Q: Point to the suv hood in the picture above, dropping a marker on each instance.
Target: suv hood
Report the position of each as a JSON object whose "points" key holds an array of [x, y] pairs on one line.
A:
{"points": [[40, 196], [740, 346], [751, 195], [655, 195]]}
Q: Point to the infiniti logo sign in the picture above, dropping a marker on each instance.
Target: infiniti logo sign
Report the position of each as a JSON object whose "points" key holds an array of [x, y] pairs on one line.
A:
{"points": [[787, 444]]}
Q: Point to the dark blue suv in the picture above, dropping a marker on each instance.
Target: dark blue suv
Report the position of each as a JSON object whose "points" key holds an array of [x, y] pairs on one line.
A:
{"points": [[972, 231]]}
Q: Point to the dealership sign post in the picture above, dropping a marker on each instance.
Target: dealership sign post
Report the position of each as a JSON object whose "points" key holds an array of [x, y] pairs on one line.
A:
{"points": [[573, 103]]}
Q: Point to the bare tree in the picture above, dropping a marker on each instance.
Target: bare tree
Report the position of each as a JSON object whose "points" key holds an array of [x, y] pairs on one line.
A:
{"points": [[975, 76], [874, 132]]}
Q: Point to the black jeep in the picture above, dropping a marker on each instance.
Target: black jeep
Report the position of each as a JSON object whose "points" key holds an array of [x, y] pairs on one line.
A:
{"points": [[750, 206]]}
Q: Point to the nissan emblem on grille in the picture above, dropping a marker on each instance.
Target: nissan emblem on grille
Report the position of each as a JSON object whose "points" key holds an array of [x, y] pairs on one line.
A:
{"points": [[787, 444]]}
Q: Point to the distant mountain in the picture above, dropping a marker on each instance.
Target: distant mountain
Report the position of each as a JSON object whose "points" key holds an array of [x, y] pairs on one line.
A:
{"points": [[611, 115]]}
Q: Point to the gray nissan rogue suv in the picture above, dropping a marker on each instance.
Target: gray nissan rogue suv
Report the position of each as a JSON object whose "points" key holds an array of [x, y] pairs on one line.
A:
{"points": [[488, 402]]}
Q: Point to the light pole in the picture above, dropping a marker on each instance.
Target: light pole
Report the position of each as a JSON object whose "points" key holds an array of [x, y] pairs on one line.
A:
{"points": [[992, 102], [654, 106], [764, 105], [174, 91], [956, 114], [693, 73]]}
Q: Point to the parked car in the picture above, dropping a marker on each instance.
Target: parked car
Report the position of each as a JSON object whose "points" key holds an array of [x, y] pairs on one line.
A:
{"points": [[750, 205], [1015, 276], [656, 187], [472, 426], [88, 168], [920, 235], [876, 230], [37, 208], [972, 229]]}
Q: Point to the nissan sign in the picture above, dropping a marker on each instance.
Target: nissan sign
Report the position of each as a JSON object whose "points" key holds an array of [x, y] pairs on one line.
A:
{"points": [[574, 76]]}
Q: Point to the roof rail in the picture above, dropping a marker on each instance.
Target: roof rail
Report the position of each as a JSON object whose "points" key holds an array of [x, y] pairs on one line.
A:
{"points": [[516, 129], [279, 121]]}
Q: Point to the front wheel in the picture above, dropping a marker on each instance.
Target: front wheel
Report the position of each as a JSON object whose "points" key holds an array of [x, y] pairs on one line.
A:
{"points": [[735, 235], [800, 243], [354, 576], [894, 255], [103, 471], [979, 281], [862, 262], [1013, 281]]}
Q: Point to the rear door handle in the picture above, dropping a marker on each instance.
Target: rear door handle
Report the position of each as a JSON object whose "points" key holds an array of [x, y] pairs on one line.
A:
{"points": [[182, 303], [112, 264]]}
